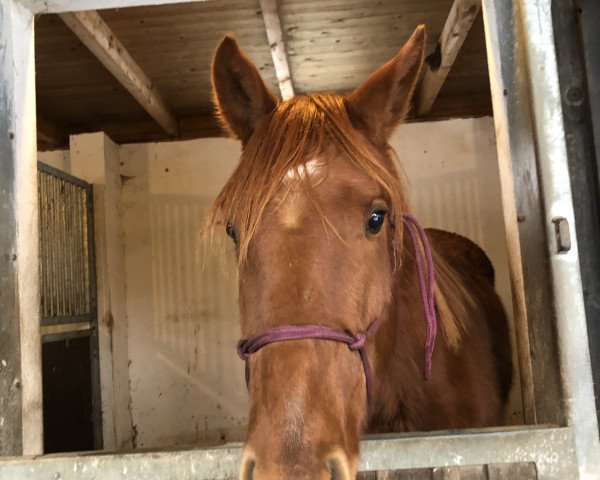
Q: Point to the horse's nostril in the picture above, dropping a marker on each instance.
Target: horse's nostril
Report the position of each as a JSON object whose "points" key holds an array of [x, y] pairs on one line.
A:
{"points": [[337, 466], [338, 469], [333, 468], [247, 471]]}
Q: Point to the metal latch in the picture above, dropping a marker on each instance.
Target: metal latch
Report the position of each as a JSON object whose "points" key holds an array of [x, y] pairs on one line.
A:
{"points": [[563, 234]]}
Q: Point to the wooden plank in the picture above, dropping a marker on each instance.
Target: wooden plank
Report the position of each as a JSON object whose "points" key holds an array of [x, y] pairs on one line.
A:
{"points": [[58, 6], [148, 131], [20, 342], [459, 22], [551, 449], [367, 476], [499, 471], [10, 369], [524, 220], [477, 472], [270, 16], [98, 37], [413, 474], [512, 471], [50, 134]]}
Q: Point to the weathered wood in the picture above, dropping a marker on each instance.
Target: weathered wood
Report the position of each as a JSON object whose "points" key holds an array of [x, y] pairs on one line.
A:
{"points": [[10, 369], [270, 15], [438, 64], [98, 37], [56, 6], [500, 471], [148, 131], [551, 449], [523, 219], [415, 474], [51, 134], [589, 18], [367, 476], [507, 471], [541, 73], [583, 166], [460, 473], [337, 45], [20, 344]]}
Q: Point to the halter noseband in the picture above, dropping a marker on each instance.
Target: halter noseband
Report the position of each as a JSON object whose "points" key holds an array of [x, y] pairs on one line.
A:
{"points": [[321, 332], [306, 332]]}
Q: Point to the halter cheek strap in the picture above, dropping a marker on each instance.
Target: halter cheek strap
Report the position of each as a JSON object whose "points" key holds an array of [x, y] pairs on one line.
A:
{"points": [[427, 288], [320, 332]]}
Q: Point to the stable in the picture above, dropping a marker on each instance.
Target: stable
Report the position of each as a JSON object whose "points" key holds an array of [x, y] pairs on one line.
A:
{"points": [[119, 328]]}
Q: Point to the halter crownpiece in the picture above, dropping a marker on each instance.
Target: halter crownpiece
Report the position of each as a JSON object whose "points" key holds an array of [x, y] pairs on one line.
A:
{"points": [[321, 332]]}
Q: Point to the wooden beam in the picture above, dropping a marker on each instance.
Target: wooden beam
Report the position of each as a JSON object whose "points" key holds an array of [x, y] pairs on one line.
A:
{"points": [[57, 6], [21, 420], [98, 37], [50, 133], [270, 13], [438, 64]]}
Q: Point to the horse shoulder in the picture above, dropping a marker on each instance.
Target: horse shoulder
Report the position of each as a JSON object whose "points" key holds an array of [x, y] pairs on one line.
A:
{"points": [[463, 254], [467, 257]]}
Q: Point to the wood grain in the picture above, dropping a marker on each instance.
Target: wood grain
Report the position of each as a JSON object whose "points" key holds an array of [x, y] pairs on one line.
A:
{"points": [[508, 471]]}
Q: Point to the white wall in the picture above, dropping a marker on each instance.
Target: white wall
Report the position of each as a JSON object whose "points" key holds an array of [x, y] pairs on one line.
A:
{"points": [[186, 380], [454, 182], [186, 383]]}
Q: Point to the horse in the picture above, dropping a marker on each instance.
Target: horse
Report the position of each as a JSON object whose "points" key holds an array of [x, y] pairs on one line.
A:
{"points": [[341, 291]]}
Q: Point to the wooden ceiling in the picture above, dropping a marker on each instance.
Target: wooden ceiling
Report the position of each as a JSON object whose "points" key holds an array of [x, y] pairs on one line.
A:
{"points": [[332, 45]]}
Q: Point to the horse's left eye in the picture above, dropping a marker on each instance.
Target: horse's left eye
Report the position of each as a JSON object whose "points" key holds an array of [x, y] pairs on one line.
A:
{"points": [[375, 222], [230, 232]]}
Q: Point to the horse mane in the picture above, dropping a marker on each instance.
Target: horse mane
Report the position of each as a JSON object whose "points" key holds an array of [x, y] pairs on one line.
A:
{"points": [[453, 300], [299, 130]]}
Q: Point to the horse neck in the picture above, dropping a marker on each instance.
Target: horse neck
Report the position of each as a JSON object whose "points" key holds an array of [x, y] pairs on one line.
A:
{"points": [[400, 340]]}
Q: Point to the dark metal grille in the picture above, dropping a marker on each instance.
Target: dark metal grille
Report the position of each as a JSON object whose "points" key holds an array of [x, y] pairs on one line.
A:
{"points": [[67, 276]]}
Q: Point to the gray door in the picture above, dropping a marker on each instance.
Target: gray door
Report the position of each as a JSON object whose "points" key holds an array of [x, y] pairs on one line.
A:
{"points": [[70, 363]]}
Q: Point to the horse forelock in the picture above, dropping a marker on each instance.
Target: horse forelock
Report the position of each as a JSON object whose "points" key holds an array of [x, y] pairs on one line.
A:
{"points": [[296, 139], [288, 148]]}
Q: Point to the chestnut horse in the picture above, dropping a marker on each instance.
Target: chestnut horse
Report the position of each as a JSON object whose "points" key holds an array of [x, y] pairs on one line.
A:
{"points": [[315, 207]]}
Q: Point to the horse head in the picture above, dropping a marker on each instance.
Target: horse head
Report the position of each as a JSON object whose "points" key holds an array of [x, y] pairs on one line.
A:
{"points": [[310, 208]]}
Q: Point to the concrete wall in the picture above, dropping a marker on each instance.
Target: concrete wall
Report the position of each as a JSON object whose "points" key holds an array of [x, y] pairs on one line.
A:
{"points": [[453, 176], [185, 382]]}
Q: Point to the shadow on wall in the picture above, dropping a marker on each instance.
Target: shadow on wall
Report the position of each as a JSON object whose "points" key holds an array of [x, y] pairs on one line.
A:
{"points": [[186, 381]]}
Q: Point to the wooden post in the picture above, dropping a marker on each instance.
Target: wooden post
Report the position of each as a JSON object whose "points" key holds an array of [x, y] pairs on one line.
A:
{"points": [[20, 343], [523, 218]]}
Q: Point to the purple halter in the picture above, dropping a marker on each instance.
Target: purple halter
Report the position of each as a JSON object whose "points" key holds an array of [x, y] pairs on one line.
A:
{"points": [[320, 332]]}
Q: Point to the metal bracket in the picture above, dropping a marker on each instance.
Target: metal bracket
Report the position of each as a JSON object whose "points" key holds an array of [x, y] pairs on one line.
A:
{"points": [[563, 234]]}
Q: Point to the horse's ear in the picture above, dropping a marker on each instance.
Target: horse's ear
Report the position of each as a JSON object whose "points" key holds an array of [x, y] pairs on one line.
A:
{"points": [[240, 95], [384, 99]]}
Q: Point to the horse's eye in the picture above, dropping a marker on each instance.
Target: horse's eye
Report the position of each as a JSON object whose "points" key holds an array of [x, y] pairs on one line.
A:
{"points": [[375, 222], [230, 232]]}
